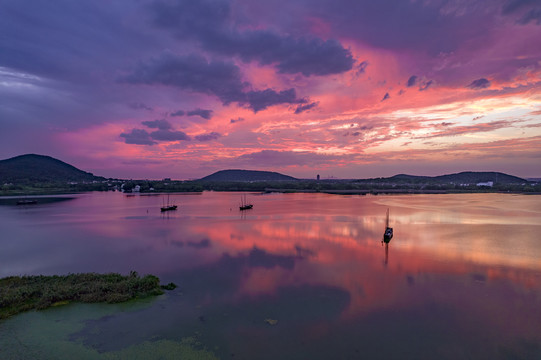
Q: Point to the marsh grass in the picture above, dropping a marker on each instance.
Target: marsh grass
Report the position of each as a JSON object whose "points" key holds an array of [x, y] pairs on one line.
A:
{"points": [[22, 293]]}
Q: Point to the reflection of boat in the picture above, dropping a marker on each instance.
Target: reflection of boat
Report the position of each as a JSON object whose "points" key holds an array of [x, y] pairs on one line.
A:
{"points": [[27, 202], [244, 205], [168, 207], [388, 234]]}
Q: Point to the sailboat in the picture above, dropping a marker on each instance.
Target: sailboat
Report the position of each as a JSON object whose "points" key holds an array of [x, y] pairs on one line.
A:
{"points": [[244, 205], [388, 234], [168, 207]]}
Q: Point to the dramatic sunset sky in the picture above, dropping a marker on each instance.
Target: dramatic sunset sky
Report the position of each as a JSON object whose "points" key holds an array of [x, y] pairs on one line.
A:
{"points": [[341, 88]]}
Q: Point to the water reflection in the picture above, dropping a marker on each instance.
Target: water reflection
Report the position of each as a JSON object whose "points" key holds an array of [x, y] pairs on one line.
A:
{"points": [[386, 253], [457, 282]]}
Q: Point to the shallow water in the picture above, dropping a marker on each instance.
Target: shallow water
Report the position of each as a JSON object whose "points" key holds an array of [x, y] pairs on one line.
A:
{"points": [[300, 276]]}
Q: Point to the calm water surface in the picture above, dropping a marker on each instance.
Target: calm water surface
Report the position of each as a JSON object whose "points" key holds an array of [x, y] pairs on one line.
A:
{"points": [[301, 276]]}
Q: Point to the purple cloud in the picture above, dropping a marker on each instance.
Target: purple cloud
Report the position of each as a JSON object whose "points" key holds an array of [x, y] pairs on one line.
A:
{"points": [[301, 108], [208, 137], [232, 121], [178, 113], [386, 96], [211, 23], [168, 135], [205, 114], [527, 10], [532, 15], [412, 81], [479, 84], [219, 78], [140, 106], [361, 68], [260, 100], [138, 137], [161, 124], [425, 85], [413, 25]]}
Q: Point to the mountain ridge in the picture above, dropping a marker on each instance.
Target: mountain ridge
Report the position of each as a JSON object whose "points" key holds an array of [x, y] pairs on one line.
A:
{"points": [[42, 168], [464, 177], [34, 168], [247, 175]]}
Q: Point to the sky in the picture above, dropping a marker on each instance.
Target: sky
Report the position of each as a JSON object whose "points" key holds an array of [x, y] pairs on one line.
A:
{"points": [[149, 89]]}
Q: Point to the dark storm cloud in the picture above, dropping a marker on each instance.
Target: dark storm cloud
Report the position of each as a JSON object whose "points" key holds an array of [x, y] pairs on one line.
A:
{"points": [[219, 78], [161, 124], [211, 23], [479, 84], [303, 108], [168, 135], [411, 81], [205, 114], [208, 137], [138, 137]]}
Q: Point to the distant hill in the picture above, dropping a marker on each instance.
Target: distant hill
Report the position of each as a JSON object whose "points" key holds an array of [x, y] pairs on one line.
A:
{"points": [[247, 175], [33, 168], [467, 177]]}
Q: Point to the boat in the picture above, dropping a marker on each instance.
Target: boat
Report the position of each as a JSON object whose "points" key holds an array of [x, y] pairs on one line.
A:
{"points": [[244, 205], [388, 234], [168, 207]]}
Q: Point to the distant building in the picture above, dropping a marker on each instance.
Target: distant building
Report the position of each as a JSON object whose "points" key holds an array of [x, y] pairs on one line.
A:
{"points": [[488, 183], [137, 188]]}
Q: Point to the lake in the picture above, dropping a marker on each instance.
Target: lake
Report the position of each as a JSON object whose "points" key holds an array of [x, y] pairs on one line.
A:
{"points": [[300, 276]]}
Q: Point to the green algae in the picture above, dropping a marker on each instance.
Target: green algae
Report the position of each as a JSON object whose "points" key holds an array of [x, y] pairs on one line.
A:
{"points": [[49, 335], [23, 293]]}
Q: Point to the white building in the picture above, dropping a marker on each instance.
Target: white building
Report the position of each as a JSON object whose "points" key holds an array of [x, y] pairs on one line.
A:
{"points": [[488, 183]]}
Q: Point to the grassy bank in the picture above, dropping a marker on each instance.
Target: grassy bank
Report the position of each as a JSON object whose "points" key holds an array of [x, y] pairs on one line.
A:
{"points": [[24, 293]]}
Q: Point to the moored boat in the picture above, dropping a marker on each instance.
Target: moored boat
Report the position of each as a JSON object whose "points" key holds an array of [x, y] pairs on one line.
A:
{"points": [[168, 207], [244, 205]]}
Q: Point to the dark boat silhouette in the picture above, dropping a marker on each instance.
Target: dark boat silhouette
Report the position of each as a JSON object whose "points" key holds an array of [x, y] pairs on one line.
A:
{"points": [[168, 207], [388, 234], [244, 205]]}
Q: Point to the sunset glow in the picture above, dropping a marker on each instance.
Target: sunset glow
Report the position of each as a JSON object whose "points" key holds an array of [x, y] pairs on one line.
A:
{"points": [[346, 89]]}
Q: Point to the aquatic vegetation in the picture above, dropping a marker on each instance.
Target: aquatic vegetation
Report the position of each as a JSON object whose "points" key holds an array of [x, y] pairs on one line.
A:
{"points": [[22, 293], [170, 286], [271, 321]]}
